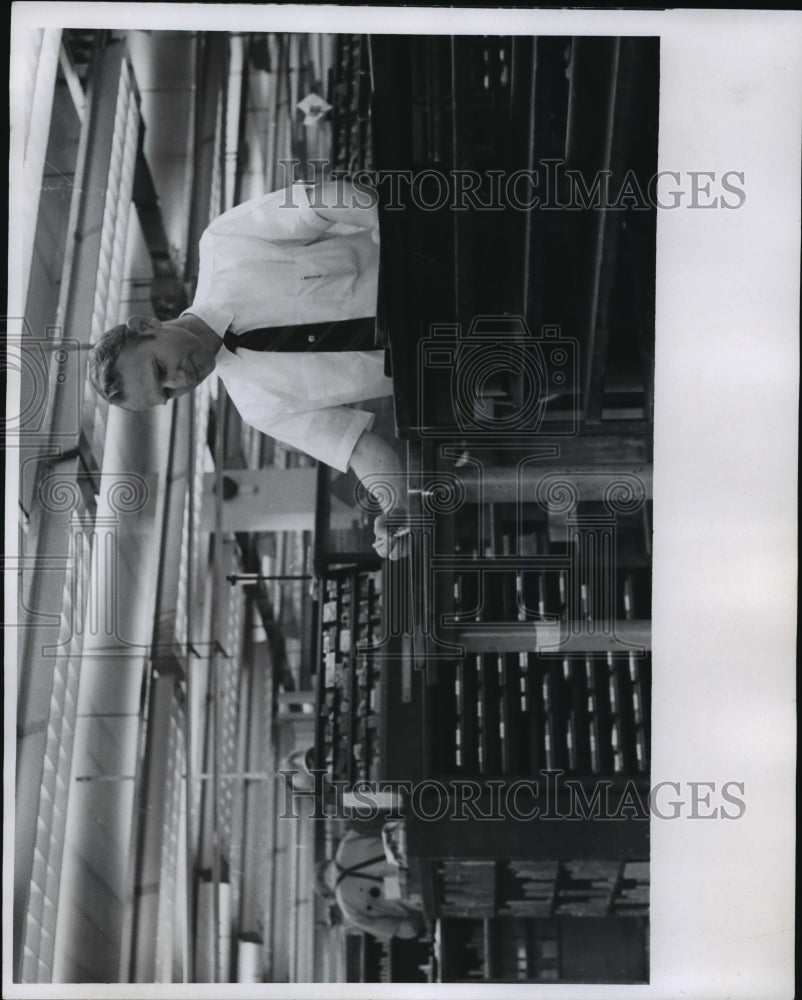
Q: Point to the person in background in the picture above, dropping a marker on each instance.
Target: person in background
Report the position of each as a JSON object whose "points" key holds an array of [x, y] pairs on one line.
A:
{"points": [[357, 879]]}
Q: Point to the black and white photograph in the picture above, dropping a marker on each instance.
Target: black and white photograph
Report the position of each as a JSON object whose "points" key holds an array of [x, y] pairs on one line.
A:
{"points": [[400, 453]]}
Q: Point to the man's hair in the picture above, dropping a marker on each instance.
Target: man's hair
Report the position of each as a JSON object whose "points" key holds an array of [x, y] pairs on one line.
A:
{"points": [[102, 362]]}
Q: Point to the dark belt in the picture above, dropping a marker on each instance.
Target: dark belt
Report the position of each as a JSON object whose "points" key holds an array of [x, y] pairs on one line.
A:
{"points": [[338, 335]]}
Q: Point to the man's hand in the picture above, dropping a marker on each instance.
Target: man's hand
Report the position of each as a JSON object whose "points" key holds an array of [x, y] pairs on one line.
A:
{"points": [[377, 466], [393, 543]]}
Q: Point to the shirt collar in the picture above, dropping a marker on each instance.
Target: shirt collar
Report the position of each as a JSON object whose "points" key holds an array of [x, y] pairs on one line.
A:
{"points": [[218, 319]]}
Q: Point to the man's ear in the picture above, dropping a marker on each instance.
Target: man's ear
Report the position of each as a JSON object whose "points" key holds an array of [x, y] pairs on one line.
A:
{"points": [[142, 324]]}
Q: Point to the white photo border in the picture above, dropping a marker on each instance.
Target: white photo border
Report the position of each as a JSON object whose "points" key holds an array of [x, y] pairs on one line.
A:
{"points": [[726, 418]]}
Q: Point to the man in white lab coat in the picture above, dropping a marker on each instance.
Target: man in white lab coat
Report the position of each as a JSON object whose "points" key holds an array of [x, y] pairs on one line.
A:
{"points": [[293, 260]]}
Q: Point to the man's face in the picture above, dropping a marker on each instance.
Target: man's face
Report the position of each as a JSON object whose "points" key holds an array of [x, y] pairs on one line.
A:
{"points": [[167, 361]]}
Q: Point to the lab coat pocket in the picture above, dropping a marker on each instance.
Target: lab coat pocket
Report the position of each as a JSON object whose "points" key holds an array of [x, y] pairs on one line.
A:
{"points": [[329, 265]]}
